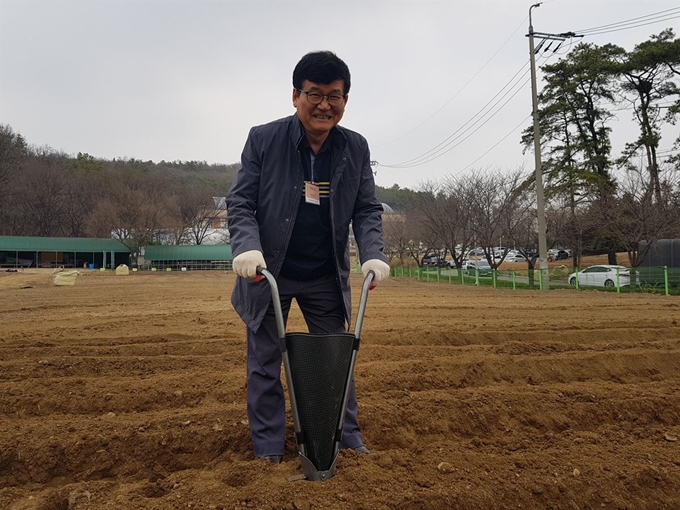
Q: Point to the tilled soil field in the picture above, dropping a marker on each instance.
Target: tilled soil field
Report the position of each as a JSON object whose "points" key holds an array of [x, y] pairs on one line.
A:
{"points": [[128, 392]]}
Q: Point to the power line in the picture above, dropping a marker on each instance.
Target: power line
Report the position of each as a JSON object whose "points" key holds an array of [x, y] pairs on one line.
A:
{"points": [[636, 26], [447, 144], [452, 138], [631, 20], [459, 91], [421, 160], [628, 25], [498, 142]]}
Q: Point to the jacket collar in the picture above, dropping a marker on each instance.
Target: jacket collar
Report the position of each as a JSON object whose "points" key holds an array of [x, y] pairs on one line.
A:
{"points": [[296, 130]]}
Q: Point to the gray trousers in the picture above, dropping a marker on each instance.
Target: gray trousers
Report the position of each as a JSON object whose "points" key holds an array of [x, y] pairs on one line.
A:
{"points": [[321, 304]]}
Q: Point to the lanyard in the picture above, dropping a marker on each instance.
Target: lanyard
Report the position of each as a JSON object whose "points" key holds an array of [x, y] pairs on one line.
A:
{"points": [[312, 160]]}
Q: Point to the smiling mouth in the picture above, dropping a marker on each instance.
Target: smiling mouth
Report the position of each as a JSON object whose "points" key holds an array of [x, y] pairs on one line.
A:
{"points": [[322, 117]]}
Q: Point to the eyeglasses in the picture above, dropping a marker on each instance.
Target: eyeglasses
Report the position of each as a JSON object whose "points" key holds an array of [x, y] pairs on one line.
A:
{"points": [[317, 98]]}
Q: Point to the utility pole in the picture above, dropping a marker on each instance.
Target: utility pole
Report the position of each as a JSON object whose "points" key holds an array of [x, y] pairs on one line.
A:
{"points": [[540, 201]]}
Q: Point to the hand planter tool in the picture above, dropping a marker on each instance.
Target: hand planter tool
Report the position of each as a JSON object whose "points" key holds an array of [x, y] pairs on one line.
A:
{"points": [[319, 371]]}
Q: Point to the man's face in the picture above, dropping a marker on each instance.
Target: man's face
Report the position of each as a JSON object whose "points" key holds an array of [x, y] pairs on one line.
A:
{"points": [[319, 119]]}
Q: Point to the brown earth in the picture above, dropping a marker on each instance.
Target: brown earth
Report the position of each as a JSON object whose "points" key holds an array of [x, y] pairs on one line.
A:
{"points": [[127, 392]]}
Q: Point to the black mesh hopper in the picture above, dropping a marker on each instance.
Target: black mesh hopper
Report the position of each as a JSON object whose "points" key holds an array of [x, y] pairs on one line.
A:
{"points": [[319, 367], [319, 371]]}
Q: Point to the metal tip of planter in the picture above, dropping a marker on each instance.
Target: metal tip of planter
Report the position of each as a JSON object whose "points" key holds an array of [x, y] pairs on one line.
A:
{"points": [[312, 474]]}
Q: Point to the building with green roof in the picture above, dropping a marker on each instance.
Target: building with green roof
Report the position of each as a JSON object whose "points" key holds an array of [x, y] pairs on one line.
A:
{"points": [[187, 256], [23, 251], [17, 252]]}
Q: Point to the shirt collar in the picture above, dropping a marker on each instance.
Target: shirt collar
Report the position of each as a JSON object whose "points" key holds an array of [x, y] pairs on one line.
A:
{"points": [[327, 144]]}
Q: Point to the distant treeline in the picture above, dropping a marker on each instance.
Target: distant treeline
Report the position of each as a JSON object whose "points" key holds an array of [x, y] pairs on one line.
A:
{"points": [[45, 192]]}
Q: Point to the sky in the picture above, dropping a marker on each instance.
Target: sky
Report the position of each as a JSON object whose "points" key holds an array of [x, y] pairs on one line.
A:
{"points": [[441, 85]]}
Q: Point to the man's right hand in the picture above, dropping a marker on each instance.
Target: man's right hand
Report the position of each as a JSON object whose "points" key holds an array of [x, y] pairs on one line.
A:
{"points": [[246, 263]]}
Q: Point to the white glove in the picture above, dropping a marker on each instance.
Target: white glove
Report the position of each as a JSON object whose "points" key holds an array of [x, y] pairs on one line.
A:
{"points": [[246, 263], [380, 268]]}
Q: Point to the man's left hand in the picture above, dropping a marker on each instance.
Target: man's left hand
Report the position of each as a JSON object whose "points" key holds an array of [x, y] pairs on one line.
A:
{"points": [[379, 268]]}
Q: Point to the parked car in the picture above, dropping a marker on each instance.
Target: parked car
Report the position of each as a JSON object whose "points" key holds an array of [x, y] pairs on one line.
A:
{"points": [[601, 276], [558, 254], [481, 266], [516, 257], [452, 263], [434, 261]]}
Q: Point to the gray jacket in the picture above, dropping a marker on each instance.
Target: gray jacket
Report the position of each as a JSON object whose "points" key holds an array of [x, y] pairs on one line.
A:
{"points": [[263, 203]]}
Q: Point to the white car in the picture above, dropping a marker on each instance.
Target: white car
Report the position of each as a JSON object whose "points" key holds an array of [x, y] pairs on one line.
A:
{"points": [[601, 276], [480, 267]]}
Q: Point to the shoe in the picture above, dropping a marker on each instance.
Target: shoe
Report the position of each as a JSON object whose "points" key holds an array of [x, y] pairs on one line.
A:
{"points": [[274, 459], [362, 449]]}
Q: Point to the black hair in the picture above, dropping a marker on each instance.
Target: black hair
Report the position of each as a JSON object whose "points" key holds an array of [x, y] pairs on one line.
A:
{"points": [[321, 67]]}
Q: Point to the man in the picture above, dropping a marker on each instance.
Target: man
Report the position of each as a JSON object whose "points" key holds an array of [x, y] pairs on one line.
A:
{"points": [[303, 179]]}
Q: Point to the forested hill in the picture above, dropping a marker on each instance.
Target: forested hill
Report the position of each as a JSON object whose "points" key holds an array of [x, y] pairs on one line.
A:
{"points": [[45, 192]]}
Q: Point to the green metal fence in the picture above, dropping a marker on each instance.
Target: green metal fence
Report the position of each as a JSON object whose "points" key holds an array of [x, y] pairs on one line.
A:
{"points": [[661, 280]]}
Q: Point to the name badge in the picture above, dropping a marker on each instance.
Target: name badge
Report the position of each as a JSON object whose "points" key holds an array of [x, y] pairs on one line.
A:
{"points": [[312, 193]]}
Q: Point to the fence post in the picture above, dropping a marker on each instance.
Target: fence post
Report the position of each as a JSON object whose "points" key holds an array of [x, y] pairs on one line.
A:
{"points": [[540, 278], [618, 281], [665, 279], [513, 280]]}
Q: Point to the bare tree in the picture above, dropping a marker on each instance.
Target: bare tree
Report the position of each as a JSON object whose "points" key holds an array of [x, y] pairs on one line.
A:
{"points": [[175, 230], [86, 184], [134, 211], [13, 153], [397, 238], [568, 223], [200, 212], [493, 200], [44, 192], [456, 229], [424, 239], [638, 218], [13, 221], [430, 212]]}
